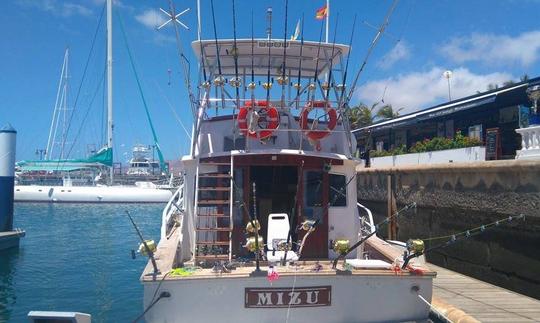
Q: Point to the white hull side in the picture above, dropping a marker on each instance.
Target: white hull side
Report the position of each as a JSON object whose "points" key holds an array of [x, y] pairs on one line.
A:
{"points": [[93, 194], [358, 298]]}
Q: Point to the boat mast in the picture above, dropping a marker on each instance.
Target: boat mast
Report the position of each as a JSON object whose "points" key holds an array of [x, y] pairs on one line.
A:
{"points": [[109, 85]]}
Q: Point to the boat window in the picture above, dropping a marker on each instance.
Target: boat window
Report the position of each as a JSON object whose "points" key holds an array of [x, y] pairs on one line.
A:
{"points": [[337, 192], [313, 192]]}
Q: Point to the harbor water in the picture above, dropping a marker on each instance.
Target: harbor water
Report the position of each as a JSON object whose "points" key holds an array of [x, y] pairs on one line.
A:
{"points": [[76, 257]]}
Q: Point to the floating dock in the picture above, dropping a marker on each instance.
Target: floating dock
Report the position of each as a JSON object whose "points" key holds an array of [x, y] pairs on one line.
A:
{"points": [[10, 239], [480, 300]]}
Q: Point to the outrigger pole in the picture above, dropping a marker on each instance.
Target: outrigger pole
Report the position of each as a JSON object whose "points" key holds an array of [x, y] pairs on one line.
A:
{"points": [[332, 61], [316, 74], [371, 47]]}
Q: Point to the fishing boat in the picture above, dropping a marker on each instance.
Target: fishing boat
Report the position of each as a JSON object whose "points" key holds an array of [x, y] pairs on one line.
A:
{"points": [[84, 180], [266, 226]]}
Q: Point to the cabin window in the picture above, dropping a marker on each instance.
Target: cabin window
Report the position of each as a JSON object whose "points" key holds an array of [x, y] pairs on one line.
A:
{"points": [[313, 192], [338, 190]]}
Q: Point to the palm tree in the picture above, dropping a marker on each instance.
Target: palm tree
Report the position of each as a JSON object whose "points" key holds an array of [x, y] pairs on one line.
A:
{"points": [[387, 112], [362, 115]]}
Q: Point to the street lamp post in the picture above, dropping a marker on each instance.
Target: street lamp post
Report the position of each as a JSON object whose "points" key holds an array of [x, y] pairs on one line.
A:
{"points": [[448, 75]]}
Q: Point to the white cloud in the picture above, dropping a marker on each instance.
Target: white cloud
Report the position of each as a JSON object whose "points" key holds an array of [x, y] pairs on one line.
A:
{"points": [[57, 8], [399, 52], [151, 18], [523, 49], [422, 89]]}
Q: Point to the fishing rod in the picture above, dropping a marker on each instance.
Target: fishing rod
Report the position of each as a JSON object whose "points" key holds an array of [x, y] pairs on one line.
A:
{"points": [[371, 47], [254, 222], [298, 85], [377, 227], [329, 80], [284, 80], [237, 82], [415, 248], [268, 85], [218, 81], [146, 248], [293, 212]]}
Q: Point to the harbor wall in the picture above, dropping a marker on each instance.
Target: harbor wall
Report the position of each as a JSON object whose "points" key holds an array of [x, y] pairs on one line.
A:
{"points": [[452, 198]]}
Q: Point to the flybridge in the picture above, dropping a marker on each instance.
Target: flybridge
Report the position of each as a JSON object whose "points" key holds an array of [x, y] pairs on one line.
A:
{"points": [[328, 54]]}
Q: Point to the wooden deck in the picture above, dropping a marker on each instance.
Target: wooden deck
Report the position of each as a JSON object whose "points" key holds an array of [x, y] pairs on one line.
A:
{"points": [[483, 301]]}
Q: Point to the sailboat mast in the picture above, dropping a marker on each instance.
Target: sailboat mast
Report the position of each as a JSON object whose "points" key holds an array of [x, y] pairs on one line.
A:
{"points": [[109, 84]]}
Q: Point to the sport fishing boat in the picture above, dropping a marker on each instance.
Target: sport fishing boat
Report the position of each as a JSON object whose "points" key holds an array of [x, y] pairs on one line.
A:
{"points": [[266, 226]]}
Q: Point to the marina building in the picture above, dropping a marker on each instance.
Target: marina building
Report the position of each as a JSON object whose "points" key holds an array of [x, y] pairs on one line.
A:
{"points": [[490, 118]]}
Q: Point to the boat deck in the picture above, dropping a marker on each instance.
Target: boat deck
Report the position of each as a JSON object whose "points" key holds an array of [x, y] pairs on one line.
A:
{"points": [[379, 249], [483, 301]]}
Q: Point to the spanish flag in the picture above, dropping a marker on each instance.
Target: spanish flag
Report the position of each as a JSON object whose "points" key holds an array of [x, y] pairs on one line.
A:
{"points": [[321, 12]]}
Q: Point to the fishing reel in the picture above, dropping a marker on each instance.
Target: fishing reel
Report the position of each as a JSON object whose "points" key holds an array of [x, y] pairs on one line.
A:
{"points": [[235, 82], [282, 80], [254, 240], [415, 248], [252, 243], [341, 246], [142, 249]]}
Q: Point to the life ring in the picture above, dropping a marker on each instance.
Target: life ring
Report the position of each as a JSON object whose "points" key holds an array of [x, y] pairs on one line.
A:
{"points": [[318, 134], [266, 117]]}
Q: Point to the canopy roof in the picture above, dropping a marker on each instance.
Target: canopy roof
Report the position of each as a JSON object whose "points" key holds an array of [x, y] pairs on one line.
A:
{"points": [[102, 158], [260, 56]]}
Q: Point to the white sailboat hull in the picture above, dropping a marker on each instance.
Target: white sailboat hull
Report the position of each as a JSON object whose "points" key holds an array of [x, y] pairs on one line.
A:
{"points": [[354, 298], [93, 194]]}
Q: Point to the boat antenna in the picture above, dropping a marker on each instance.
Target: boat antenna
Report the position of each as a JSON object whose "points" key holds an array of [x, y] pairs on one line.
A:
{"points": [[269, 33], [284, 79], [329, 81], [219, 81], [371, 47], [293, 212], [298, 85], [146, 248], [347, 63]]}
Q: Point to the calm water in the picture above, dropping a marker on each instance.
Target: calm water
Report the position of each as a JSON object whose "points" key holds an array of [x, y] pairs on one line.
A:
{"points": [[76, 257]]}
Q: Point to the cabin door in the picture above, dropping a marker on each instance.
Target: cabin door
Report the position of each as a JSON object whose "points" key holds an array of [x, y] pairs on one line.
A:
{"points": [[314, 207]]}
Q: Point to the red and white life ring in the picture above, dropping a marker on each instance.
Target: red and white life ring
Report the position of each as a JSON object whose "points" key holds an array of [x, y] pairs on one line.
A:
{"points": [[319, 133], [267, 119]]}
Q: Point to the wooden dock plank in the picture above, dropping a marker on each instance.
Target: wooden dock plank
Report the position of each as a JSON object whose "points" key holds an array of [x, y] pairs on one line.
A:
{"points": [[484, 301]]}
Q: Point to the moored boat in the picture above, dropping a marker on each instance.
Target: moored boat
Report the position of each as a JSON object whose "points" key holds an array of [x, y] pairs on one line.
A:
{"points": [[266, 226]]}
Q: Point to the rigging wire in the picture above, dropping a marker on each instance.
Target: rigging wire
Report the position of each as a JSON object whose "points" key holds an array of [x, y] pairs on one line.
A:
{"points": [[158, 149], [84, 75]]}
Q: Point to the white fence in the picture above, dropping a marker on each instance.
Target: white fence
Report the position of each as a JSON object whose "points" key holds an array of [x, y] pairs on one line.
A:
{"points": [[460, 155]]}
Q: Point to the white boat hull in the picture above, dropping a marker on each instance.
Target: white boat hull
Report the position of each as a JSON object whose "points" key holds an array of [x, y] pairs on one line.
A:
{"points": [[93, 194], [354, 298]]}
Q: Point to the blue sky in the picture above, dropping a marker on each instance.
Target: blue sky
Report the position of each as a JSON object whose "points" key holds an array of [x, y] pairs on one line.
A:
{"points": [[481, 41]]}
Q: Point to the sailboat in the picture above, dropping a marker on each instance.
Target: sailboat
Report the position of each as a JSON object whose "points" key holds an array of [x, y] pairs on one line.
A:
{"points": [[48, 186], [267, 227]]}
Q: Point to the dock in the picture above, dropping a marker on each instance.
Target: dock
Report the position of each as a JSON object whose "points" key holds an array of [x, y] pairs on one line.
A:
{"points": [[10, 239], [483, 301]]}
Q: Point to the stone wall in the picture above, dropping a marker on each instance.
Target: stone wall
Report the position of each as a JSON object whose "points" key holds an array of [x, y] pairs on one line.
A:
{"points": [[455, 197]]}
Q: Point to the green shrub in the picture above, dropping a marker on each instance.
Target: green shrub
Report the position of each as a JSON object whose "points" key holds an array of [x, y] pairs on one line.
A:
{"points": [[433, 144]]}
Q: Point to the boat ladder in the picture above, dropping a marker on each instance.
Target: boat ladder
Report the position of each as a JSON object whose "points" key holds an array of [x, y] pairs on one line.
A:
{"points": [[214, 211]]}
